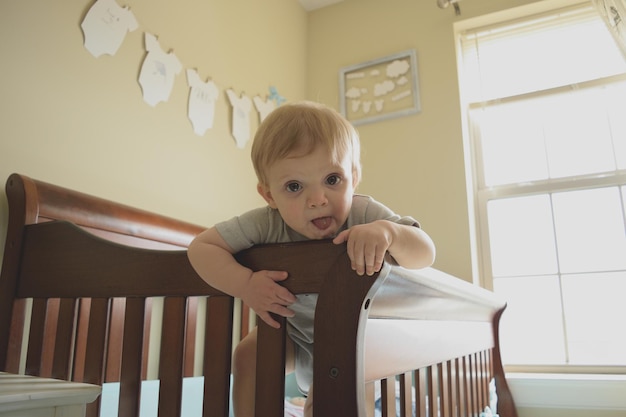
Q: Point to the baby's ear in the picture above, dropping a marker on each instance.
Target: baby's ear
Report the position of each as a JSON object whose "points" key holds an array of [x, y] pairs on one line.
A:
{"points": [[265, 192]]}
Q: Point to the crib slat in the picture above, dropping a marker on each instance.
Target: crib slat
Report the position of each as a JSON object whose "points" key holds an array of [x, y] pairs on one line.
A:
{"points": [[116, 331], [406, 400], [464, 391], [453, 375], [64, 339], [420, 393], [190, 336], [130, 375], [433, 391], [35, 338], [484, 382], [439, 408], [270, 382], [80, 345], [217, 356], [478, 380], [95, 347], [444, 389], [388, 396], [473, 384], [16, 336], [490, 363], [49, 332], [172, 354], [487, 375], [146, 338]]}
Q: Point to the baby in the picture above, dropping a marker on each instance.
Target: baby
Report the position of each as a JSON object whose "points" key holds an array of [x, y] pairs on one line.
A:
{"points": [[307, 161]]}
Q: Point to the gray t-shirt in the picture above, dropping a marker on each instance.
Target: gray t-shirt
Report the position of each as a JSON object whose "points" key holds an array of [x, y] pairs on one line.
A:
{"points": [[264, 225]]}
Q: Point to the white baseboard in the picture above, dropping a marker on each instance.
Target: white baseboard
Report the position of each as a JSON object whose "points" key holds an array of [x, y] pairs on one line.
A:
{"points": [[606, 392]]}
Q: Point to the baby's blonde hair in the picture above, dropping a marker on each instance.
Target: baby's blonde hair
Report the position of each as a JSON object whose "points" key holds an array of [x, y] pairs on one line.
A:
{"points": [[299, 128]]}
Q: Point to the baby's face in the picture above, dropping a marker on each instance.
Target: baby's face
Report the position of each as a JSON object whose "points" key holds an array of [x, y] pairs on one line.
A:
{"points": [[312, 194]]}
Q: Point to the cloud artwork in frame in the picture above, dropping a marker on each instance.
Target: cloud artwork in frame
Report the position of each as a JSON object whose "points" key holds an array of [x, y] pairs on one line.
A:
{"points": [[380, 89]]}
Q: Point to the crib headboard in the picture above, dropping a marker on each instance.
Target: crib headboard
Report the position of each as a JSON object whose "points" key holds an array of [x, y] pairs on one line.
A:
{"points": [[80, 275], [91, 268]]}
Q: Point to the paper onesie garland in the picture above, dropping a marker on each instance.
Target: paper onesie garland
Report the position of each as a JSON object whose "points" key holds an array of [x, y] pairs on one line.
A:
{"points": [[241, 117], [105, 26], [157, 72], [263, 107], [202, 98]]}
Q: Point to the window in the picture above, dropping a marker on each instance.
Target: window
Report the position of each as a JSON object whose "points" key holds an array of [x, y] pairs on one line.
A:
{"points": [[545, 99]]}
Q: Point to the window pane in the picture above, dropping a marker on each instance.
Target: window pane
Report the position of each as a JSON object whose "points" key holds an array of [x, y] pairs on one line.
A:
{"points": [[531, 328], [568, 134], [595, 310], [536, 55], [521, 238], [578, 136], [513, 147], [590, 230], [616, 103]]}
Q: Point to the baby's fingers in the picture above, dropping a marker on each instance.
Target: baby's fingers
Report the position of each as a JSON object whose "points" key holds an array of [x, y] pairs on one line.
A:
{"points": [[375, 265], [276, 310], [366, 257]]}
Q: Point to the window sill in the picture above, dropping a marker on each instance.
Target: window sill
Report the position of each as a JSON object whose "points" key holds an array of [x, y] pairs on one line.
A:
{"points": [[571, 391]]}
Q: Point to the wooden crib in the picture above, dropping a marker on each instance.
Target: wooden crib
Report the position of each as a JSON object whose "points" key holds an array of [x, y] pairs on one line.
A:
{"points": [[80, 277]]}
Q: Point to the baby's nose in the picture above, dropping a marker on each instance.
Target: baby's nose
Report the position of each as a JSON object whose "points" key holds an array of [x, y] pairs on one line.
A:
{"points": [[317, 198]]}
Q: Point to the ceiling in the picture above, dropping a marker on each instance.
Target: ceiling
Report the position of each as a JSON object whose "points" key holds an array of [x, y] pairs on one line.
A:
{"points": [[316, 4]]}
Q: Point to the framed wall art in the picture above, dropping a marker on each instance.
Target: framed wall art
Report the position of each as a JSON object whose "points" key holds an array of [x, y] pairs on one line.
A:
{"points": [[380, 89]]}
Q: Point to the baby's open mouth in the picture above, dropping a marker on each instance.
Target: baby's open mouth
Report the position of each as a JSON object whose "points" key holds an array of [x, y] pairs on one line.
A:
{"points": [[322, 222]]}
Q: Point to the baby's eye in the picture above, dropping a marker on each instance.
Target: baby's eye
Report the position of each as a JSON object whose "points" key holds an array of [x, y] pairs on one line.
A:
{"points": [[293, 187], [333, 179]]}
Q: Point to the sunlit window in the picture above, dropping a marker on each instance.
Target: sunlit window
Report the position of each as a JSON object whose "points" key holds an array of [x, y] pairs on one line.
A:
{"points": [[545, 97]]}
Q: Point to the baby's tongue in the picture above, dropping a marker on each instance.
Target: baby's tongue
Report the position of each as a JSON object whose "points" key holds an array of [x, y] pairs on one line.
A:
{"points": [[322, 222]]}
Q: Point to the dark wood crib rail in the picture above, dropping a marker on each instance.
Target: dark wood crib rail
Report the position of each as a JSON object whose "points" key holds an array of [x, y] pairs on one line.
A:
{"points": [[92, 267], [90, 293]]}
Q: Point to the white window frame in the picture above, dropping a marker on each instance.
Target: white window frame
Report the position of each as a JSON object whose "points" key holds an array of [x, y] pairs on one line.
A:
{"points": [[479, 195]]}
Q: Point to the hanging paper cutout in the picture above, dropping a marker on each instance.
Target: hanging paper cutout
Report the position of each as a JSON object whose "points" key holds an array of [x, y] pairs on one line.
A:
{"points": [[263, 107], [241, 117], [157, 72], [278, 99], [105, 26], [202, 98]]}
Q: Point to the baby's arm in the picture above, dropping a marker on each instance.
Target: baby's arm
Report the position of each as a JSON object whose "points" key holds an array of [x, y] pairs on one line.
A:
{"points": [[368, 243], [213, 260]]}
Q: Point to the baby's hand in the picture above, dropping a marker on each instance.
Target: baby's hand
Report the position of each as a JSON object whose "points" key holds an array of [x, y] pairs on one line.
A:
{"points": [[264, 295], [367, 245]]}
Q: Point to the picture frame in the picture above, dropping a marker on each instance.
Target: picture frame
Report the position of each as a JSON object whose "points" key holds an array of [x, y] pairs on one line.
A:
{"points": [[380, 89]]}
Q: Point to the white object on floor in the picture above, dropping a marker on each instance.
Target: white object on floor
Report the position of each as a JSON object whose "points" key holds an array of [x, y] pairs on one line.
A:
{"points": [[24, 395]]}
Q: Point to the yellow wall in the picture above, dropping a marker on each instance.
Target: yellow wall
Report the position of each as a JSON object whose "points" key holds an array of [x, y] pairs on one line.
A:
{"points": [[69, 118]]}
